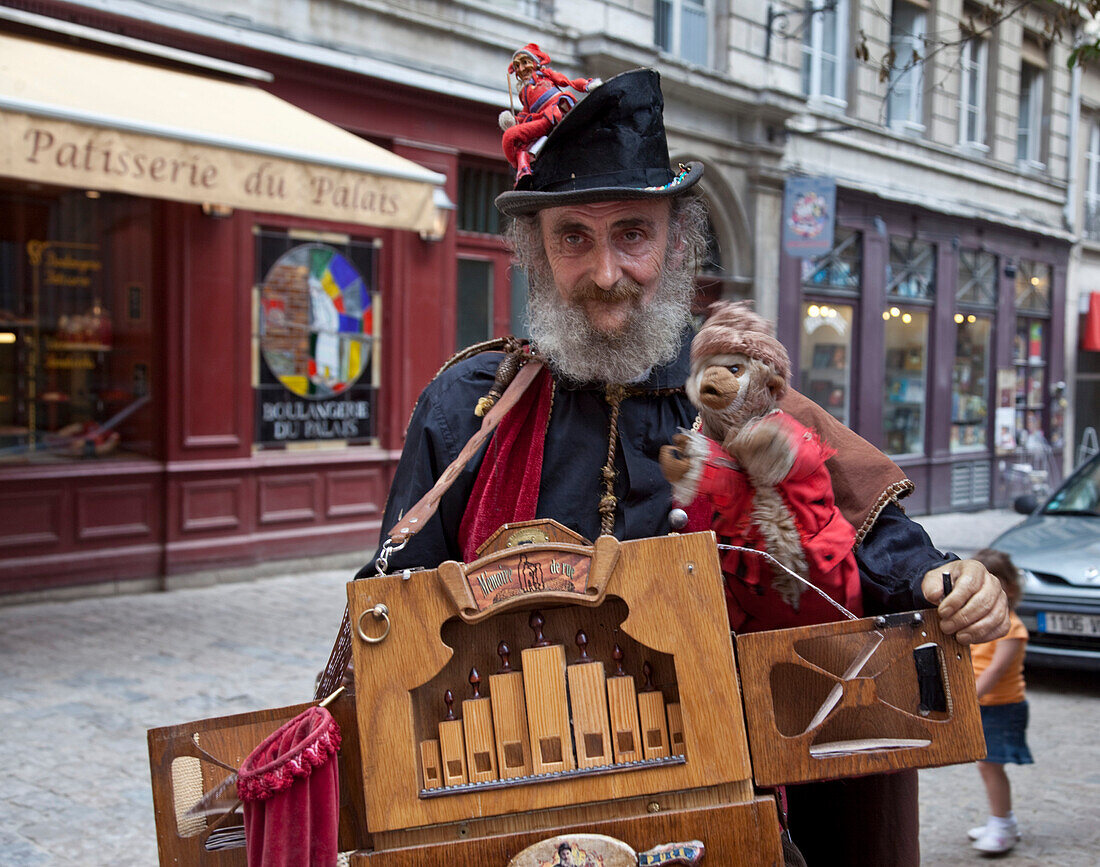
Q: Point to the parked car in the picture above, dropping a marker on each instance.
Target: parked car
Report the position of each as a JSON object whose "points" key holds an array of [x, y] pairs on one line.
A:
{"points": [[1058, 548]]}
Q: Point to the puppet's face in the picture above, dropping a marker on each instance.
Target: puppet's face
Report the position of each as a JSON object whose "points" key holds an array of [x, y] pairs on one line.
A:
{"points": [[730, 389], [524, 66]]}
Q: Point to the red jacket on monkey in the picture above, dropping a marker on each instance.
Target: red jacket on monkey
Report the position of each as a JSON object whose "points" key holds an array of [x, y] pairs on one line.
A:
{"points": [[545, 95], [762, 474]]}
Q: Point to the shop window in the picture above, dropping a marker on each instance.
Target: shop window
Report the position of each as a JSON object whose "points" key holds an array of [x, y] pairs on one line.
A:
{"points": [[906, 333], [318, 360], [825, 51], [474, 321], [681, 28], [826, 357], [478, 189], [973, 62], [970, 383], [911, 272], [840, 269], [1092, 183], [76, 327], [1029, 350], [904, 107], [519, 287]]}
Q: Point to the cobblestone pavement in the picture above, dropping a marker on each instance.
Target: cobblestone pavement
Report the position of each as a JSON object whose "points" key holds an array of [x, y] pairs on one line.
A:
{"points": [[81, 681]]}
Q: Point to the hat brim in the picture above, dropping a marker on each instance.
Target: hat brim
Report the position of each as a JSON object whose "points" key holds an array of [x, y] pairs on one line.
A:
{"points": [[520, 203]]}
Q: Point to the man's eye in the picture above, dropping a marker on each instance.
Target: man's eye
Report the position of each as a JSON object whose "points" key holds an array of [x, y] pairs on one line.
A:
{"points": [[573, 240], [633, 236]]}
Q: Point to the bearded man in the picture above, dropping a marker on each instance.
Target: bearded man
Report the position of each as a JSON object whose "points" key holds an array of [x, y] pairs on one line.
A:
{"points": [[609, 237]]}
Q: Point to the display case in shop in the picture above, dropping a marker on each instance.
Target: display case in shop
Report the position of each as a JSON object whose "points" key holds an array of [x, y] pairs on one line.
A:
{"points": [[68, 385], [903, 417]]}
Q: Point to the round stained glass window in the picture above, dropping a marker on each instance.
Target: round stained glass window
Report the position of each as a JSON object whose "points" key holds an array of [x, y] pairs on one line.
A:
{"points": [[317, 321]]}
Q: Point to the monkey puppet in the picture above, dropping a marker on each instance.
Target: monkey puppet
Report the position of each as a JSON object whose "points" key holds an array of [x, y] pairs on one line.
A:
{"points": [[762, 474]]}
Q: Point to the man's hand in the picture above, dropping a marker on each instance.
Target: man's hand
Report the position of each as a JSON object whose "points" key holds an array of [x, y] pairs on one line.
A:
{"points": [[976, 609]]}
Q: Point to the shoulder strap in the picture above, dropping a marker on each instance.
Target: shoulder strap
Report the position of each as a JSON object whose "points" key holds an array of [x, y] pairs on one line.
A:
{"points": [[419, 514]]}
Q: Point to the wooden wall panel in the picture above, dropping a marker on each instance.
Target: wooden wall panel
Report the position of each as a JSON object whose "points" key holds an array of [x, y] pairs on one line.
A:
{"points": [[31, 518], [289, 498], [210, 504], [116, 511], [352, 493]]}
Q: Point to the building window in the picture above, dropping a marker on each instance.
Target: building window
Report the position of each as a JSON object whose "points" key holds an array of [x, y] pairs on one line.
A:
{"points": [[906, 333], [681, 28], [826, 356], [1030, 348], [1029, 127], [825, 51], [474, 321], [839, 270], [904, 107], [318, 366], [911, 272], [970, 382], [971, 386], [77, 313], [478, 189], [977, 283], [972, 64], [1092, 184]]}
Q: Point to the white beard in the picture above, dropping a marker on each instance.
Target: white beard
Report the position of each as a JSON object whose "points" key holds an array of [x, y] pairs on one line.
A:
{"points": [[580, 354]]}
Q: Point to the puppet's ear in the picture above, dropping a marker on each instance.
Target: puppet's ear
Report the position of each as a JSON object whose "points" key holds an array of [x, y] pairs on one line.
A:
{"points": [[777, 385]]}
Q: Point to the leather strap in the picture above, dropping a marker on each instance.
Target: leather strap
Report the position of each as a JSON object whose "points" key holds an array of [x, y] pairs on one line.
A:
{"points": [[419, 514]]}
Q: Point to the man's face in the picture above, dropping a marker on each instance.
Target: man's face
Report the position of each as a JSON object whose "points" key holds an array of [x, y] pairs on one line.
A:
{"points": [[524, 66], [606, 257]]}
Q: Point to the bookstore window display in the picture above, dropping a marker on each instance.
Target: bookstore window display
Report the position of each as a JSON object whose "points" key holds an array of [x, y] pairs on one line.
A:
{"points": [[970, 383], [976, 303], [1029, 355], [826, 357], [75, 326], [906, 339]]}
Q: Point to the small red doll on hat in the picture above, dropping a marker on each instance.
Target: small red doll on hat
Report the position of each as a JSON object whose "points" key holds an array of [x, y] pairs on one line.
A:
{"points": [[762, 475], [545, 95]]}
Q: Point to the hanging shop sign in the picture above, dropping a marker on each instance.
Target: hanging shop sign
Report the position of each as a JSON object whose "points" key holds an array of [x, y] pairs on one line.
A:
{"points": [[809, 214]]}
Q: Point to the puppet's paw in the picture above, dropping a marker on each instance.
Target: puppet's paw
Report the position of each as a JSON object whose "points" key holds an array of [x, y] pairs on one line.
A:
{"points": [[507, 120], [764, 449], [682, 464]]}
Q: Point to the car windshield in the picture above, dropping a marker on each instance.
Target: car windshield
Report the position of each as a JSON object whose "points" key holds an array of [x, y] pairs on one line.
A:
{"points": [[1080, 495]]}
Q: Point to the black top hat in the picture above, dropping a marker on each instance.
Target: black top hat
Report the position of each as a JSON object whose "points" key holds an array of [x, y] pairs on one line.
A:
{"points": [[610, 146]]}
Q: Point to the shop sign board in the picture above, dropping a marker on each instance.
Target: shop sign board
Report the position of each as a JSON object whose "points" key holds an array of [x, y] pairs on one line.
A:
{"points": [[809, 214]]}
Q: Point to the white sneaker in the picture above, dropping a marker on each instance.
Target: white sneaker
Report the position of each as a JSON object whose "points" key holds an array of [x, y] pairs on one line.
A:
{"points": [[976, 833], [996, 840]]}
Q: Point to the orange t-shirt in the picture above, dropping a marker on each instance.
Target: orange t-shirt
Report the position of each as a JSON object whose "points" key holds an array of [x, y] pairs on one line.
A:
{"points": [[1010, 688]]}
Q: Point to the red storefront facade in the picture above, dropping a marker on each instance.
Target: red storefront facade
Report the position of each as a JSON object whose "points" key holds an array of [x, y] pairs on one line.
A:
{"points": [[191, 487]]}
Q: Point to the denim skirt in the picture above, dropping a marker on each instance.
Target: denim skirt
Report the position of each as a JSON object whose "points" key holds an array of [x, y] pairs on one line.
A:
{"points": [[1005, 726]]}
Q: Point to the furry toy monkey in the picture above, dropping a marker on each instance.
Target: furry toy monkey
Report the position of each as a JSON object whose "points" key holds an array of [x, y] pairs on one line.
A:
{"points": [[763, 475]]}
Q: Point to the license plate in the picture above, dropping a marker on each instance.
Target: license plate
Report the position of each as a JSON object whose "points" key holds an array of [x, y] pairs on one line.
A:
{"points": [[1068, 624]]}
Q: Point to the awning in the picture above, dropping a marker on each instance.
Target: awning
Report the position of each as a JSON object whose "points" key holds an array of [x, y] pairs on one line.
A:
{"points": [[80, 119]]}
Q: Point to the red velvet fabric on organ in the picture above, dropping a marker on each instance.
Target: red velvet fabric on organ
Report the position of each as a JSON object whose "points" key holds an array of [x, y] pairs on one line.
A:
{"points": [[290, 788]]}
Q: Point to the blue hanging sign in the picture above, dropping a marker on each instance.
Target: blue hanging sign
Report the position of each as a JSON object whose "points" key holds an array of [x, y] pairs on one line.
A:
{"points": [[809, 213]]}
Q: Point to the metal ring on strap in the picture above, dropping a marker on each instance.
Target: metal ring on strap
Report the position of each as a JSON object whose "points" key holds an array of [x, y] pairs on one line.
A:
{"points": [[380, 612]]}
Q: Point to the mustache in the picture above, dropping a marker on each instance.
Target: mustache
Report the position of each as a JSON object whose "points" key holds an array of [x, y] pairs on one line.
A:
{"points": [[624, 290]]}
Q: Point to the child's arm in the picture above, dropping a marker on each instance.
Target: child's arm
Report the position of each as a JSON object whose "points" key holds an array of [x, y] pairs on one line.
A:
{"points": [[1003, 654]]}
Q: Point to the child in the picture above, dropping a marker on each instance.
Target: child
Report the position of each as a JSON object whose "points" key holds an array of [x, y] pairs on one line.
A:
{"points": [[999, 669]]}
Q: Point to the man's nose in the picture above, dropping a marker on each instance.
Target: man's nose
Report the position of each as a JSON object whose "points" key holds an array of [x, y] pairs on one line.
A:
{"points": [[606, 270]]}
